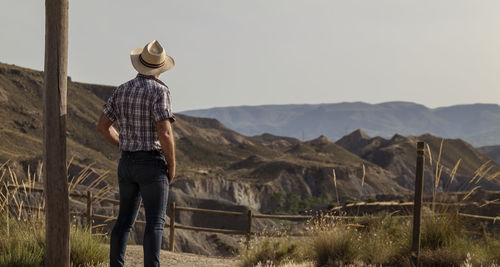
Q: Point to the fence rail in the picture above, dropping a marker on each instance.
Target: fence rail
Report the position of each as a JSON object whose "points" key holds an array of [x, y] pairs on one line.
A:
{"points": [[494, 219], [223, 212], [89, 215]]}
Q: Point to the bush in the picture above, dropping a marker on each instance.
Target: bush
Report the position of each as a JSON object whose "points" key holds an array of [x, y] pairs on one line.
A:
{"points": [[275, 251], [492, 250], [385, 240], [87, 249], [25, 244], [335, 246], [19, 252], [440, 257], [440, 231]]}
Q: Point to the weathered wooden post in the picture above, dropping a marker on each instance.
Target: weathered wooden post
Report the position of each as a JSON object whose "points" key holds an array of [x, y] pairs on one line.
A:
{"points": [[7, 212], [89, 211], [54, 134], [417, 204], [249, 228], [172, 226]]}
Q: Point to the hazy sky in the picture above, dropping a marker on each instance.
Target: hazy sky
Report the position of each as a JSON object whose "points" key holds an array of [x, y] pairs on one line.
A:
{"points": [[254, 52]]}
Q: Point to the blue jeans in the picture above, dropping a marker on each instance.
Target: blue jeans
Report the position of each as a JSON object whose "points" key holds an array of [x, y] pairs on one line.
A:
{"points": [[142, 176]]}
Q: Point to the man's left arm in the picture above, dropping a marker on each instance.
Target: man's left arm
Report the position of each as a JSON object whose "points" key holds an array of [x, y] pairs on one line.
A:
{"points": [[105, 127]]}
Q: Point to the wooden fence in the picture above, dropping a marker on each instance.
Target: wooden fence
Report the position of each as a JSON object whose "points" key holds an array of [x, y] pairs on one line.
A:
{"points": [[90, 216]]}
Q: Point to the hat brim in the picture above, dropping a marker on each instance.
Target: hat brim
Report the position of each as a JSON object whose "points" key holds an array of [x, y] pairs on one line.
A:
{"points": [[139, 67]]}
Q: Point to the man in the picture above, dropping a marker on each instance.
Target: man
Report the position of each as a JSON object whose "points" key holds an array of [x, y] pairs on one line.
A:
{"points": [[141, 108]]}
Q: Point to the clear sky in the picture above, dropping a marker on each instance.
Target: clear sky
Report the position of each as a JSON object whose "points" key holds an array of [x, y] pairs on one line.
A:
{"points": [[253, 52]]}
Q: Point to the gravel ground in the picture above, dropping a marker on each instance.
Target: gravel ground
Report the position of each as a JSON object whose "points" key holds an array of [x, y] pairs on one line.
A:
{"points": [[134, 257]]}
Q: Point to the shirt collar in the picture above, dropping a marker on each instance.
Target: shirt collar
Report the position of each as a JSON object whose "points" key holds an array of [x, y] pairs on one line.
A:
{"points": [[150, 77]]}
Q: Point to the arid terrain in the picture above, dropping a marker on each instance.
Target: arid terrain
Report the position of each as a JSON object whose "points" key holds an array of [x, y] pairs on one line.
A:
{"points": [[222, 169], [134, 258]]}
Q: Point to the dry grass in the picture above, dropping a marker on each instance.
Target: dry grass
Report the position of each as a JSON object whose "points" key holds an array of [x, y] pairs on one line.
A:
{"points": [[335, 246], [22, 223], [440, 231], [375, 241], [386, 239], [273, 251]]}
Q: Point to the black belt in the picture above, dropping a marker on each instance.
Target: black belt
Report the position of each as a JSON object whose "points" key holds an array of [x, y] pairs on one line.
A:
{"points": [[143, 152]]}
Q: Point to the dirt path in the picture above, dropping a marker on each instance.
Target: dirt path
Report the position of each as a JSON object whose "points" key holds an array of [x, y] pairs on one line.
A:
{"points": [[134, 257]]}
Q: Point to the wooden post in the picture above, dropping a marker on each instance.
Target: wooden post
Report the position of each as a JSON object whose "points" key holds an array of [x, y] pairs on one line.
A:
{"points": [[249, 228], [54, 134], [7, 212], [90, 213], [172, 226], [417, 204]]}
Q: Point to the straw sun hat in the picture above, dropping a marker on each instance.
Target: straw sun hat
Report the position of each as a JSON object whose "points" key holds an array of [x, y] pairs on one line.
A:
{"points": [[151, 59]]}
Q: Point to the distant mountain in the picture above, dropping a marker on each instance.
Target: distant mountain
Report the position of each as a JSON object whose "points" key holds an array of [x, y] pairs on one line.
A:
{"points": [[492, 151], [478, 124]]}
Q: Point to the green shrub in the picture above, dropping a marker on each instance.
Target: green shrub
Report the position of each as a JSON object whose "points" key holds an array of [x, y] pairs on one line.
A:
{"points": [[22, 233], [24, 245], [273, 251], [440, 257], [87, 249], [384, 240], [21, 253], [492, 248], [440, 231], [335, 246]]}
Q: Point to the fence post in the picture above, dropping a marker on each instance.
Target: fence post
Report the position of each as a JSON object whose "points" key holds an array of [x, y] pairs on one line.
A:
{"points": [[7, 212], [249, 228], [417, 204], [89, 210], [172, 226]]}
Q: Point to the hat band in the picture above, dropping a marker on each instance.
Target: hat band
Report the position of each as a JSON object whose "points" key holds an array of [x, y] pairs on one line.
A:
{"points": [[150, 65]]}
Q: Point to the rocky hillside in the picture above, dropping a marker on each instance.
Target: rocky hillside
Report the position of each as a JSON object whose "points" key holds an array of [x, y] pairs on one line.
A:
{"points": [[228, 165], [255, 168], [397, 155], [478, 124], [21, 123]]}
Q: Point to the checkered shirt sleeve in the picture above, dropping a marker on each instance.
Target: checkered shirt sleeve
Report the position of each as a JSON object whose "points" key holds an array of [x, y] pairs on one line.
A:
{"points": [[162, 106], [109, 108]]}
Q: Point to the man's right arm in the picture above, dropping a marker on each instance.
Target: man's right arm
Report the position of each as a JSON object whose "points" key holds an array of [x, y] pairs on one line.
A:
{"points": [[166, 137]]}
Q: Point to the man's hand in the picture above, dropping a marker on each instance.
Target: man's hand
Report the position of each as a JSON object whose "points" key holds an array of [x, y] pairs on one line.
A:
{"points": [[171, 173], [105, 127], [166, 137]]}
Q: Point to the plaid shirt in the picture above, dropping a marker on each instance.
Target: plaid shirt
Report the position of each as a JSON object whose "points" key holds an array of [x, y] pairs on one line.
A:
{"points": [[136, 105]]}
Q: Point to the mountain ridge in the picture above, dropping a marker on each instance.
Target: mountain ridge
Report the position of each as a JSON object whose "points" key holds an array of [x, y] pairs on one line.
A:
{"points": [[478, 124]]}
